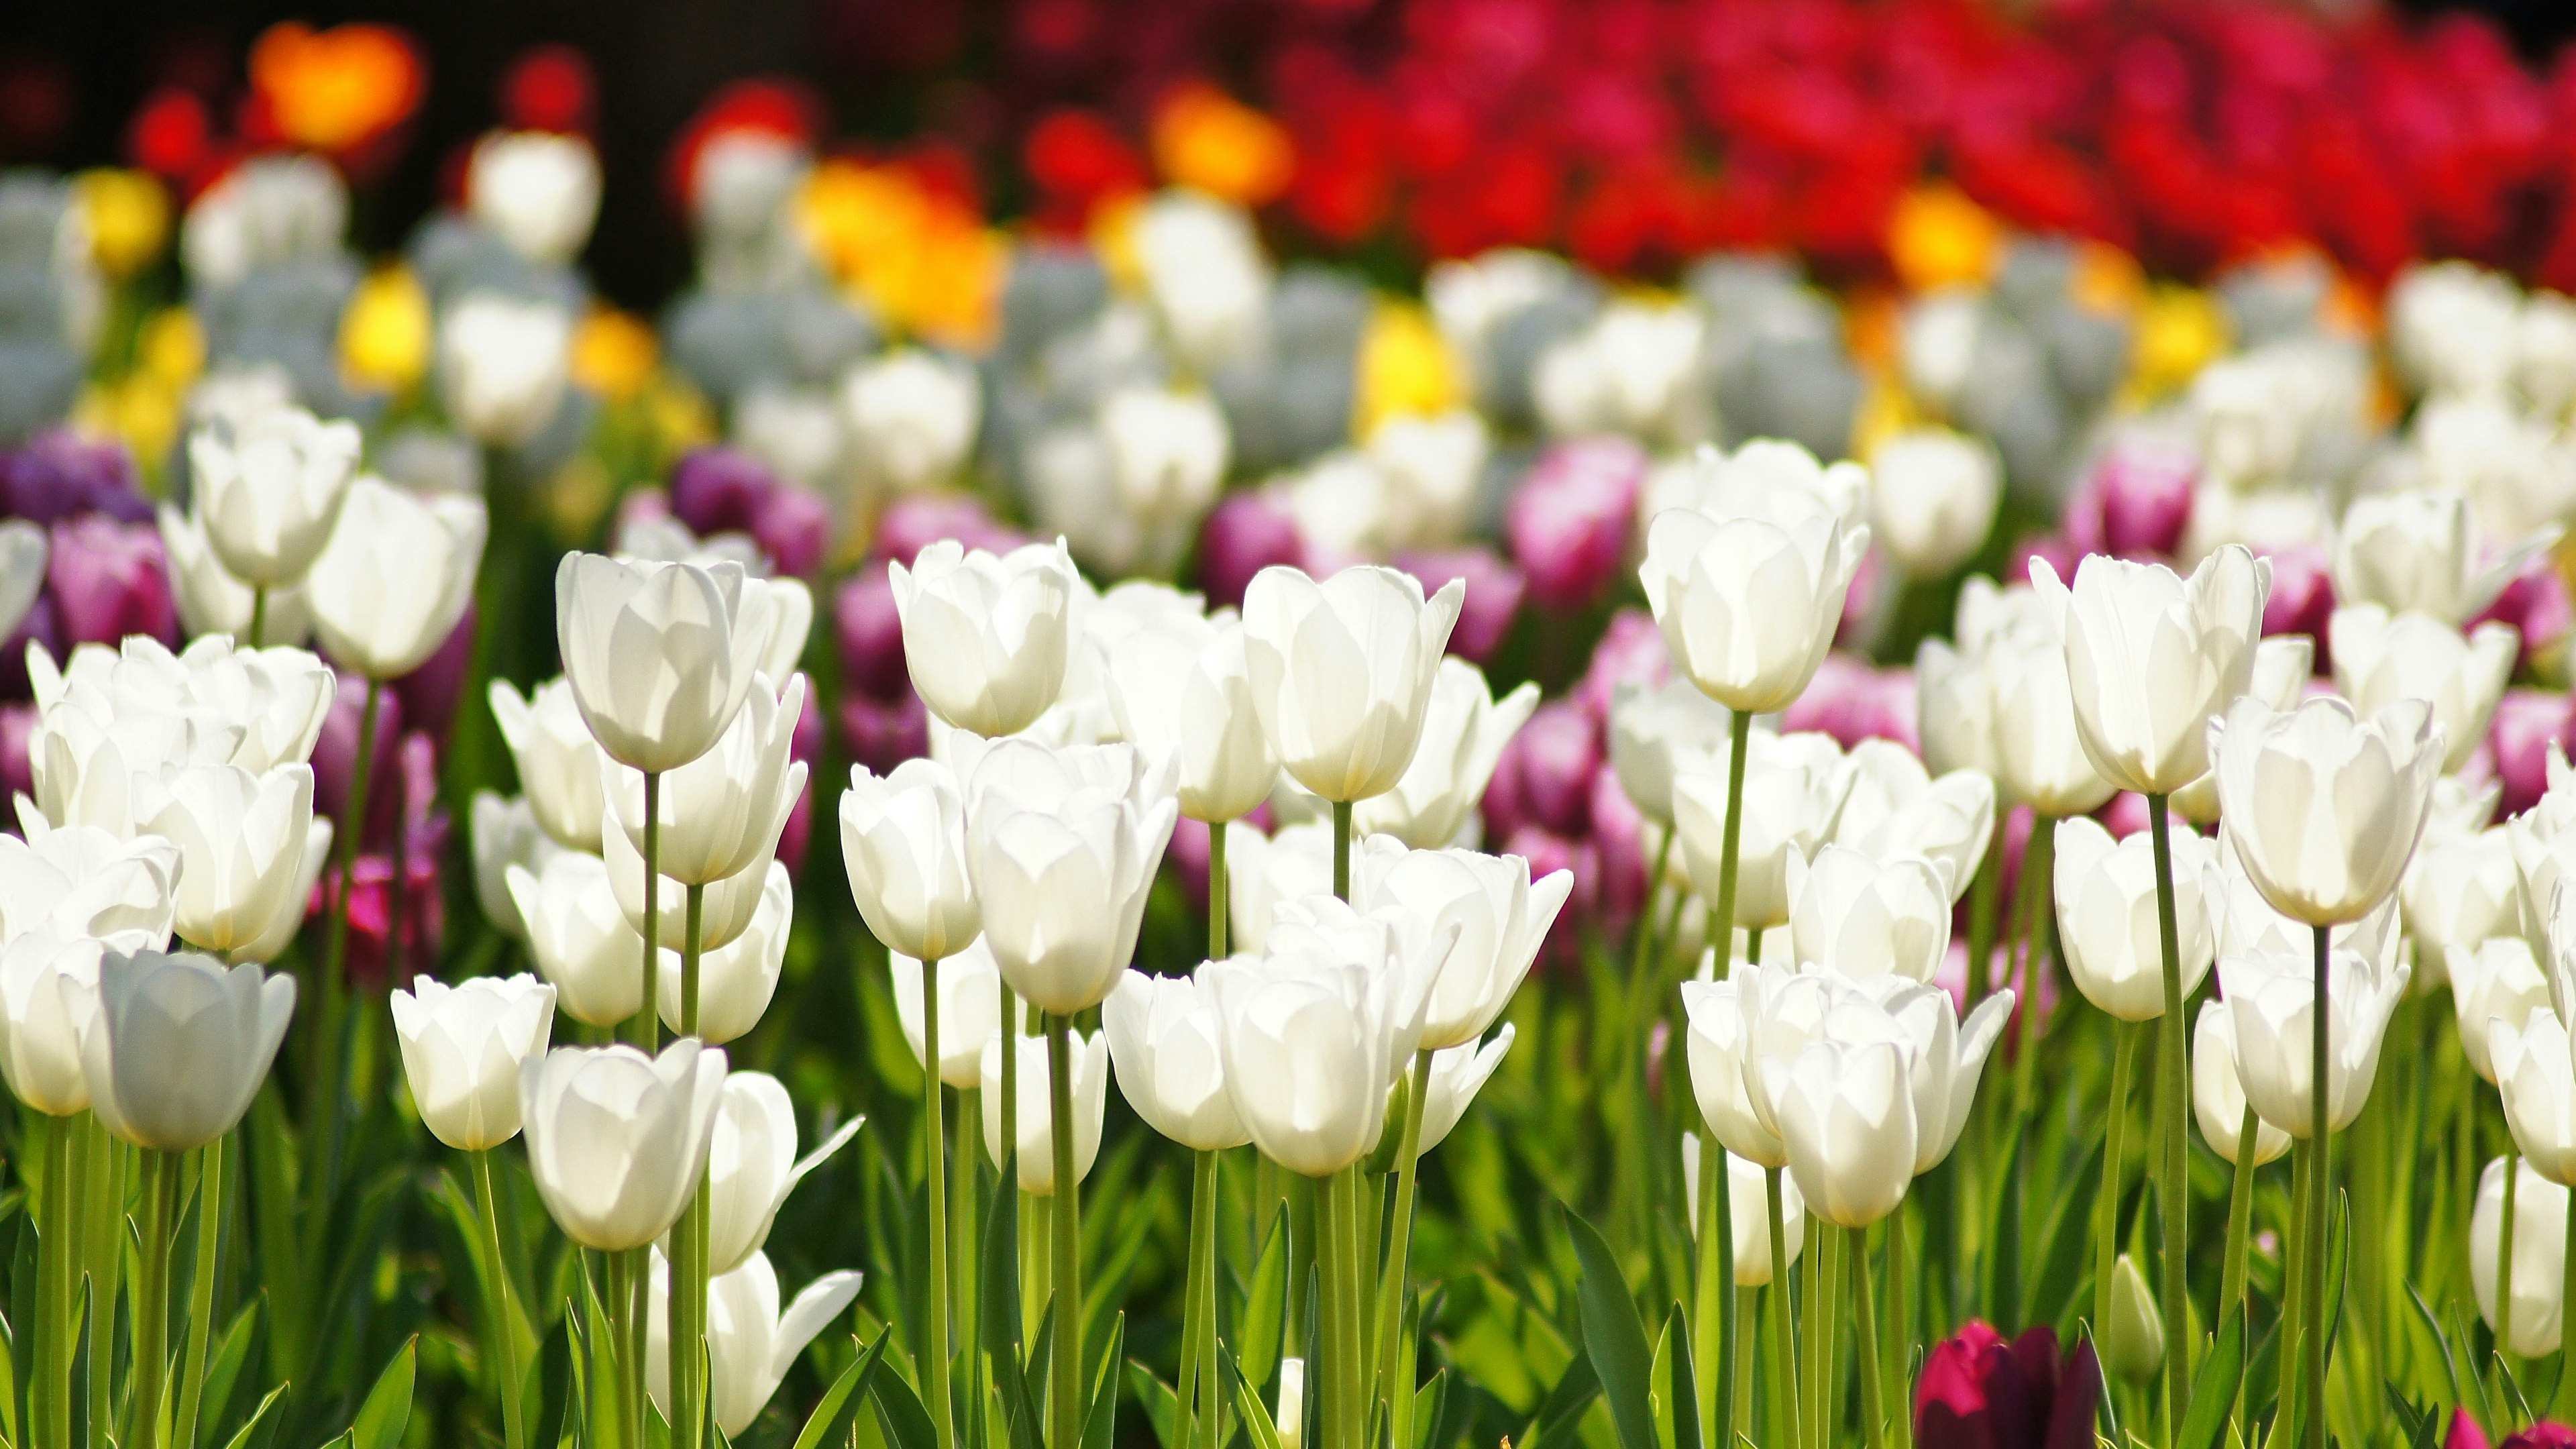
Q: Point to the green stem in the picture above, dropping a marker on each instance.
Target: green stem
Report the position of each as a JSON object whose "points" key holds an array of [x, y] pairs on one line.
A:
{"points": [[1641, 947], [258, 614], [687, 1370], [628, 1363], [201, 1292], [2504, 1267], [934, 1173], [1342, 849], [1197, 1408], [1713, 1342], [2312, 1351], [2036, 902], [647, 1028], [150, 1373], [1394, 1376], [505, 1338], [1873, 1409], [2240, 1216], [1983, 894], [2567, 1338], [103, 1247], [2106, 1208], [1349, 1414], [964, 1190], [1721, 917], [1784, 1364], [1220, 894], [52, 1396], [2173, 1180], [1065, 1373]]}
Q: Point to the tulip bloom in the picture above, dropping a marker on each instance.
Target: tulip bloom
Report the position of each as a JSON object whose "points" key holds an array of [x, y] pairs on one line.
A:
{"points": [[536, 190], [659, 655], [2418, 552], [1653, 728], [2107, 915], [1182, 686], [737, 979], [2539, 1240], [242, 842], [2532, 1069], [2218, 1092], [1062, 847], [1465, 732], [1847, 1115], [2323, 807], [268, 488], [178, 1045], [1163, 1037], [751, 1344], [1748, 606], [903, 840], [752, 1165], [2498, 981], [1501, 917], [2272, 1002], [1315, 1033], [1343, 672], [970, 1009], [616, 1139], [558, 760], [2380, 658], [2150, 656], [462, 1047], [502, 365], [1794, 788], [580, 939], [721, 813], [1861, 917], [1933, 495], [1977, 1390], [77, 881], [987, 639], [48, 993], [395, 577]]}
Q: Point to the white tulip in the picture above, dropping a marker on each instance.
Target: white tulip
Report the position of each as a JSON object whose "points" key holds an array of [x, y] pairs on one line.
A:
{"points": [[659, 655], [536, 190], [241, 840], [1861, 917], [503, 364], [1946, 1056], [288, 923], [617, 1139], [1894, 807], [2284, 665], [2499, 980], [1343, 672], [79, 881], [970, 1009], [1749, 606], [903, 840], [1167, 453], [737, 979], [1164, 1040], [721, 813], [2323, 807], [2040, 756], [1464, 732], [1749, 1211], [48, 993], [1264, 870], [177, 1045], [1180, 686], [726, 908], [395, 578], [1781, 1010], [2538, 1084], [1457, 1074], [210, 600], [2419, 553], [2108, 921], [1794, 787], [751, 1344], [1062, 846], [559, 763], [1431, 466], [1628, 372], [280, 696], [2381, 658], [2218, 1091], [462, 1047], [1653, 728], [1933, 494], [268, 489], [2539, 1254], [1205, 275], [580, 939], [752, 1165], [2271, 1001], [1848, 1117], [1954, 710], [912, 414], [1501, 916], [1036, 1145], [986, 638], [1722, 1070], [2150, 656]]}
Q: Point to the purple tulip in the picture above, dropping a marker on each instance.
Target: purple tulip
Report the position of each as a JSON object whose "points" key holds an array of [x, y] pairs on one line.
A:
{"points": [[1244, 534], [1493, 595], [110, 579], [429, 693], [2534, 602], [1619, 850], [1569, 521], [59, 475], [1545, 774], [2527, 722], [870, 632], [2061, 552], [720, 490], [1979, 1392], [2464, 1433], [882, 736], [1631, 651], [795, 529], [918, 520], [17, 768], [2302, 598], [39, 627], [335, 760], [804, 743], [1547, 852], [1853, 702], [2136, 502]]}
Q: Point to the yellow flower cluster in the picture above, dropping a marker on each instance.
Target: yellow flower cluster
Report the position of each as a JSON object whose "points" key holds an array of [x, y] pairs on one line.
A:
{"points": [[925, 263]]}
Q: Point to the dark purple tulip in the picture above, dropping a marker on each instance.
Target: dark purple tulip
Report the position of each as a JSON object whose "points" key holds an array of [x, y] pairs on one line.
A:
{"points": [[720, 490], [110, 579], [2137, 500], [870, 633], [1245, 534], [882, 736], [2464, 1433], [795, 529], [1853, 702], [805, 743], [335, 760], [1631, 651], [2527, 722], [2534, 602], [1570, 519], [59, 475], [429, 693], [2302, 598], [1547, 852], [1979, 1392], [17, 769], [1545, 774], [918, 520], [1493, 595]]}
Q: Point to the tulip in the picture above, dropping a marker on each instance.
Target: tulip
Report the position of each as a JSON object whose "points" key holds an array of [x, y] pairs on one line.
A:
{"points": [[2218, 1092], [2381, 658], [903, 839], [987, 638], [750, 1343], [1545, 774], [1167, 455], [281, 697], [1465, 732], [616, 1138], [1894, 807], [241, 840], [1747, 605], [1653, 728], [1182, 687], [2497, 981], [2284, 666], [1491, 604], [462, 1047], [537, 190], [2040, 753], [2418, 553], [2539, 1246], [2150, 656], [178, 1045], [2539, 1087], [1265, 870], [1456, 1075], [558, 761], [580, 939], [2137, 499], [1793, 793], [209, 599], [1947, 1056], [1036, 1143], [1062, 847], [502, 365], [2133, 1344], [1570, 519], [1978, 1390], [48, 993], [1245, 533], [752, 1165], [1723, 1071], [1502, 917], [395, 577], [1343, 673], [726, 908], [267, 490], [2107, 915], [1751, 1249], [969, 1010], [1861, 917], [735, 980], [2272, 1001], [2462, 889], [77, 881], [108, 580], [912, 416], [1163, 1035], [2528, 724], [1932, 498], [722, 812], [1847, 1118], [1314, 1034], [659, 656], [2324, 808], [1954, 710]]}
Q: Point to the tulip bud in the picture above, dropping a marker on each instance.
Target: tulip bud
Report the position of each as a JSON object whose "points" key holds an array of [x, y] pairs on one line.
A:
{"points": [[2108, 915], [751, 1344], [1368, 631], [109, 580], [1933, 495], [502, 365], [2218, 1091], [580, 939], [2323, 807], [2381, 658], [737, 979], [1570, 519], [537, 190], [2539, 1254], [2150, 656], [2133, 1342], [504, 833], [1747, 605], [1062, 847], [1466, 734], [1862, 917], [395, 577], [721, 813], [2539, 1107], [558, 761], [267, 490], [1793, 794], [2271, 1001], [987, 638], [1846, 1114], [1181, 686], [462, 1047], [659, 655], [48, 993], [242, 840], [178, 1045], [912, 416], [617, 1139], [1163, 1040], [1290, 1416], [1501, 917], [1036, 1146]]}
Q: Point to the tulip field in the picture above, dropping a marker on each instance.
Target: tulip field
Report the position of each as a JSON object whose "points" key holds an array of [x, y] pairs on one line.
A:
{"points": [[1190, 782]]}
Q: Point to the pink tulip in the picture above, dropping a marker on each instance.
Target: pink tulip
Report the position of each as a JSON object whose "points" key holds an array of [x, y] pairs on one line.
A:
{"points": [[1493, 599], [110, 579], [1570, 519], [1244, 534]]}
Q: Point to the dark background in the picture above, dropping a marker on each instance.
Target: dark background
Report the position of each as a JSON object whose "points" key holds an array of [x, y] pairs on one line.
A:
{"points": [[73, 71]]}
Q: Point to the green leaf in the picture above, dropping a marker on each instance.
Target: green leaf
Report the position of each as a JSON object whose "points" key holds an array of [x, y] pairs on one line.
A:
{"points": [[1429, 1401], [1265, 1307], [1676, 1388], [387, 1411], [241, 1438], [829, 1423], [1257, 1424], [2213, 1389], [560, 1380], [223, 1369], [1613, 1338], [1001, 1319], [1100, 1425], [1562, 1410], [2065, 1242], [899, 1410], [1162, 1404]]}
